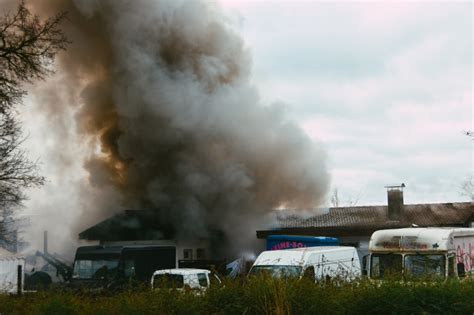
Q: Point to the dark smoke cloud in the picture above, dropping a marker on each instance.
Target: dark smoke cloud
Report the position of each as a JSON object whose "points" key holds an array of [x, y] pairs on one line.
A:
{"points": [[171, 120]]}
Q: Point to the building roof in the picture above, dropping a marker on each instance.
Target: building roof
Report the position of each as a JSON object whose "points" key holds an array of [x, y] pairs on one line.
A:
{"points": [[130, 225], [138, 225], [363, 220]]}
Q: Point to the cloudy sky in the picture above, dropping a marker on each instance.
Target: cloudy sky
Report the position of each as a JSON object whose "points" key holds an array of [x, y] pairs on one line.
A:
{"points": [[386, 87]]}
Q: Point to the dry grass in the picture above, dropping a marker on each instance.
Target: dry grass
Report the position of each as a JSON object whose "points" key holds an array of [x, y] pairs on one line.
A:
{"points": [[261, 295]]}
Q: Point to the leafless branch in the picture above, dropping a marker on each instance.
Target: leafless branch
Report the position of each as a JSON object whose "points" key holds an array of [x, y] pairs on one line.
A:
{"points": [[27, 49], [28, 46]]}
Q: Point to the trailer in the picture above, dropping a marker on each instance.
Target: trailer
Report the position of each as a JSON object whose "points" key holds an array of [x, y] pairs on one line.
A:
{"points": [[12, 276], [411, 253]]}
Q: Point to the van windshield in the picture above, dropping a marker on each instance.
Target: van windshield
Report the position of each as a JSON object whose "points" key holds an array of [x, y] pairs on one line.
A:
{"points": [[386, 266], [277, 270], [425, 266], [168, 281]]}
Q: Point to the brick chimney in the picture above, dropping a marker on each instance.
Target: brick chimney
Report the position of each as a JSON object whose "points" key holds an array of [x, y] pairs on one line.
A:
{"points": [[395, 202]]}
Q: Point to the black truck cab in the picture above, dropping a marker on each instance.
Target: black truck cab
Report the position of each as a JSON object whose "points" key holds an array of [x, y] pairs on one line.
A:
{"points": [[105, 265]]}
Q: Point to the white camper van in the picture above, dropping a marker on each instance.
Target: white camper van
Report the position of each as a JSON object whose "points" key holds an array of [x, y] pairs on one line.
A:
{"points": [[318, 263], [422, 252]]}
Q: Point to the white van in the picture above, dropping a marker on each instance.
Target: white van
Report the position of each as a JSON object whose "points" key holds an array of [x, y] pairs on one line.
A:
{"points": [[195, 279], [318, 263]]}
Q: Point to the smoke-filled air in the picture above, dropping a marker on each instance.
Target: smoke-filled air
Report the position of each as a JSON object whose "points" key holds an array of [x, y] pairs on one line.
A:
{"points": [[151, 107]]}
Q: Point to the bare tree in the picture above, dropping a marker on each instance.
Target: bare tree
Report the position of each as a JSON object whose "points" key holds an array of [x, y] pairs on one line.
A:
{"points": [[350, 201], [8, 228], [467, 188], [335, 198], [16, 170], [27, 49]]}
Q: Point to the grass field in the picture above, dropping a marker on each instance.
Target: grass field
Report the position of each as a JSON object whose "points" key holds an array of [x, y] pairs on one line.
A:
{"points": [[260, 296]]}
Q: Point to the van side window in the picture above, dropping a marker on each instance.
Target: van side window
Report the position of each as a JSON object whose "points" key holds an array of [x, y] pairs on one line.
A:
{"points": [[202, 278]]}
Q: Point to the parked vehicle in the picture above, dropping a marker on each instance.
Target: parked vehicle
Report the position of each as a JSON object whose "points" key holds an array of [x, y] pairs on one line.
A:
{"points": [[317, 263], [190, 278], [422, 253], [277, 242], [112, 266]]}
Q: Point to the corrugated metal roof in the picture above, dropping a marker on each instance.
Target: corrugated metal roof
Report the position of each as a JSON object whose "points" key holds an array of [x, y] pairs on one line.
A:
{"points": [[442, 214]]}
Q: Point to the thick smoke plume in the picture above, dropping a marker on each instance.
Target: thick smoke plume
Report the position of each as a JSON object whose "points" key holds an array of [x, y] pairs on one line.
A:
{"points": [[162, 101]]}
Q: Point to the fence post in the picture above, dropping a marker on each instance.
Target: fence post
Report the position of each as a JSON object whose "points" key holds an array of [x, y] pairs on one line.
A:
{"points": [[19, 281]]}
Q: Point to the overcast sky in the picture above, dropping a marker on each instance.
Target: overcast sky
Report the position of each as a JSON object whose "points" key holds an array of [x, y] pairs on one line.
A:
{"points": [[386, 87]]}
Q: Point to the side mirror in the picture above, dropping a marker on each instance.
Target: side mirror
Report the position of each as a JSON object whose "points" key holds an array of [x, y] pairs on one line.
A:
{"points": [[461, 271]]}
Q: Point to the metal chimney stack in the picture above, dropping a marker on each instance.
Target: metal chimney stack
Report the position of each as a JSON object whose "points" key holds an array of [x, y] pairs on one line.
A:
{"points": [[395, 201]]}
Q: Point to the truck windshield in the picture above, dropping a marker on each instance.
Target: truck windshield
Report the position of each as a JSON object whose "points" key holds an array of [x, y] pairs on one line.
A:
{"points": [[386, 266], [425, 266], [94, 268], [277, 270]]}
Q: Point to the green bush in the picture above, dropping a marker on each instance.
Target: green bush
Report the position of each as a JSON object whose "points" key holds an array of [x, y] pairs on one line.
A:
{"points": [[261, 295]]}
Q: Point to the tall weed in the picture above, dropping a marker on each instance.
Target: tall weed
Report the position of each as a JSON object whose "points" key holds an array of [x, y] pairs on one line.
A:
{"points": [[260, 295]]}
